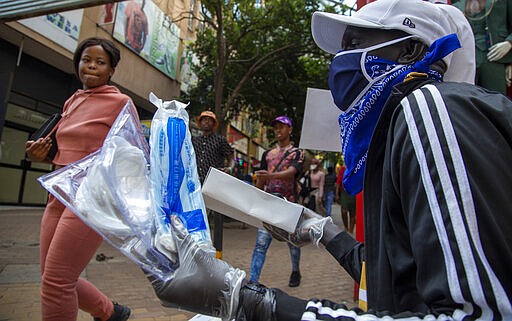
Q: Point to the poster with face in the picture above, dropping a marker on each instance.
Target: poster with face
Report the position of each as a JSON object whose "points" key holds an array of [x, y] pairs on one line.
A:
{"points": [[141, 26]]}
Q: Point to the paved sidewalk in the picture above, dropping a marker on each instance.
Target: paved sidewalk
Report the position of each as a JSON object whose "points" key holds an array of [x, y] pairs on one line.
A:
{"points": [[124, 282]]}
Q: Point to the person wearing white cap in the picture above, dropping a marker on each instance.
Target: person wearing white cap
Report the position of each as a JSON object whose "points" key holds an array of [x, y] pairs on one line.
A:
{"points": [[434, 159]]}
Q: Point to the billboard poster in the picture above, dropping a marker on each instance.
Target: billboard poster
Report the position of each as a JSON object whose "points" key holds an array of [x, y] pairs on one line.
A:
{"points": [[145, 29], [62, 27], [188, 78]]}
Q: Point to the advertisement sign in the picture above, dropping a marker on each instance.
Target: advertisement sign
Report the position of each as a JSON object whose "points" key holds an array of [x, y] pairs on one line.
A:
{"points": [[141, 26], [62, 27], [146, 127], [238, 140], [188, 78]]}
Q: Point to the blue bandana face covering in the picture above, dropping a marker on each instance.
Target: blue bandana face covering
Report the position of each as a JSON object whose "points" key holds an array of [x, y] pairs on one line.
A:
{"points": [[360, 85]]}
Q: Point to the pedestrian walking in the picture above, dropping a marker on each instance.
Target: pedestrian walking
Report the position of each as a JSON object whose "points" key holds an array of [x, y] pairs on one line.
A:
{"points": [[212, 149], [347, 202], [329, 190], [279, 169], [66, 243]]}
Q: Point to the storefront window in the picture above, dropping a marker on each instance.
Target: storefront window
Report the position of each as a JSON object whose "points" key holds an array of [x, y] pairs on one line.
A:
{"points": [[9, 192], [33, 192], [12, 146], [17, 174]]}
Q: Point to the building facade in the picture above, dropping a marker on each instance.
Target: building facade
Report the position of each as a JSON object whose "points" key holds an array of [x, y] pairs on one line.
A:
{"points": [[36, 73]]}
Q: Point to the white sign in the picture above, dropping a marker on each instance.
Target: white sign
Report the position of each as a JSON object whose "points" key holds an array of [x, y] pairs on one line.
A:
{"points": [[62, 28], [241, 145], [320, 129]]}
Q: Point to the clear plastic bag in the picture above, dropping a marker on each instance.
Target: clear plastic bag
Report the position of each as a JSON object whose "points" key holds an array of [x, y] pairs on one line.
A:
{"points": [[175, 182], [115, 192], [110, 191]]}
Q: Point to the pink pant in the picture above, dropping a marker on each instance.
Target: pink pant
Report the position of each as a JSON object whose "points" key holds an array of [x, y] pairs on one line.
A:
{"points": [[67, 246]]}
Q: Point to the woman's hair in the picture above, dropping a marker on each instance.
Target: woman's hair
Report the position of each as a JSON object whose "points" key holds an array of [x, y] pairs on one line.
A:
{"points": [[106, 44]]}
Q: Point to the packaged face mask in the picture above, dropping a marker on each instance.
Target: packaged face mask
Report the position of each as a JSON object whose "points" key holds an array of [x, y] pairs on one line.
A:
{"points": [[174, 179]]}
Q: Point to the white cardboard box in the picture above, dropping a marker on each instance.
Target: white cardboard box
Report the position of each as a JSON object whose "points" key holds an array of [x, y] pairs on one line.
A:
{"points": [[230, 196]]}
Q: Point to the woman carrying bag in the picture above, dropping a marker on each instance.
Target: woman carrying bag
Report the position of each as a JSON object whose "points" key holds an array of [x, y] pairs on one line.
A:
{"points": [[68, 244]]}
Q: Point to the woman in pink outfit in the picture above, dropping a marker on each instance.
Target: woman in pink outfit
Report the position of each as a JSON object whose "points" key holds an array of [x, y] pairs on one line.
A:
{"points": [[67, 244]]}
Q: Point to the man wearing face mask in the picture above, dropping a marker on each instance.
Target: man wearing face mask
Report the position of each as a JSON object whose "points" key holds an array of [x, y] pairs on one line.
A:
{"points": [[427, 151]]}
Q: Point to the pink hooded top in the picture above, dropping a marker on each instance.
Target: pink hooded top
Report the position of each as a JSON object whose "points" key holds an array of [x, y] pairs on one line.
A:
{"points": [[86, 119]]}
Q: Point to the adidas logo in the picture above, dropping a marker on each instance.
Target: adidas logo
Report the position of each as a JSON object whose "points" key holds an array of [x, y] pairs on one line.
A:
{"points": [[408, 23]]}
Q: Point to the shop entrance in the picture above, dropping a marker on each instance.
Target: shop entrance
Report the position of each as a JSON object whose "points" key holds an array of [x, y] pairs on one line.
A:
{"points": [[19, 176]]}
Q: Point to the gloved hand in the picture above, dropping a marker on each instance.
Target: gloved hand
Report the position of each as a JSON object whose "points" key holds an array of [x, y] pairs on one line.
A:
{"points": [[201, 283], [310, 228], [508, 74], [499, 50], [257, 303]]}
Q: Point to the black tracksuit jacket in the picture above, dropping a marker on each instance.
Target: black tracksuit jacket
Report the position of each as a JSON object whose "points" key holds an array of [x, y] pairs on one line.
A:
{"points": [[437, 209]]}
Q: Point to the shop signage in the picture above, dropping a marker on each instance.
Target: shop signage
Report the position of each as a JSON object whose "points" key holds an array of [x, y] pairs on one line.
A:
{"points": [[238, 140], [62, 28]]}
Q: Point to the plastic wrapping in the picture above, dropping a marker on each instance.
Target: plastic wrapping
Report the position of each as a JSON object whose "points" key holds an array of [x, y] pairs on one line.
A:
{"points": [[132, 206], [110, 191], [309, 229], [175, 181]]}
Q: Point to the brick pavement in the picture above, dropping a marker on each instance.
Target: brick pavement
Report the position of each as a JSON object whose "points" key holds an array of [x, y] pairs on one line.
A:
{"points": [[124, 282]]}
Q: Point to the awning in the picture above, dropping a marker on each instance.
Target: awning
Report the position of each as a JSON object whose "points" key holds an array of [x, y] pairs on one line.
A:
{"points": [[11, 10]]}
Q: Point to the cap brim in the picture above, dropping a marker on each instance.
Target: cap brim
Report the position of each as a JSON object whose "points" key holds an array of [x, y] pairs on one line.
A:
{"points": [[328, 29], [272, 123]]}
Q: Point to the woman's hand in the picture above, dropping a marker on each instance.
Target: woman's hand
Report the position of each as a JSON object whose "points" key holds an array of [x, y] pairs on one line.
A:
{"points": [[38, 150]]}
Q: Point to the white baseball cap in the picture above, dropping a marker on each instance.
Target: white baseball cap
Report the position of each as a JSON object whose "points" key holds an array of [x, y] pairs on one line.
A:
{"points": [[425, 20]]}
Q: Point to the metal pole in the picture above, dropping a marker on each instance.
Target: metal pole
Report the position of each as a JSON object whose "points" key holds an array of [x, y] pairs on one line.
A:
{"points": [[218, 227]]}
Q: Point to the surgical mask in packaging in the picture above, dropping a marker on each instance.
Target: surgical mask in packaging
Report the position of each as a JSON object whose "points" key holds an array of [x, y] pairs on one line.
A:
{"points": [[174, 179]]}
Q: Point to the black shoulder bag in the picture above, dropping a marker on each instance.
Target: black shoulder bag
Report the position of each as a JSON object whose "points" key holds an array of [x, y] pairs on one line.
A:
{"points": [[48, 129]]}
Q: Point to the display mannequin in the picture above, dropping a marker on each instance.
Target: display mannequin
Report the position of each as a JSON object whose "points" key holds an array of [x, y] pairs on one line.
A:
{"points": [[491, 21]]}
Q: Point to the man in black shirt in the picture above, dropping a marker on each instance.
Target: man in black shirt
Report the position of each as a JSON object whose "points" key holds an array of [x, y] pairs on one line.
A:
{"points": [[212, 150]]}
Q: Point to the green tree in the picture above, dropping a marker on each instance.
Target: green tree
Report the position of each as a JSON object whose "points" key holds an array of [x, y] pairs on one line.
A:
{"points": [[260, 57]]}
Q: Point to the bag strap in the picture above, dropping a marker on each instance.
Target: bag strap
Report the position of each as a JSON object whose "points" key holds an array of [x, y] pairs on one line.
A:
{"points": [[67, 113], [54, 127], [286, 154]]}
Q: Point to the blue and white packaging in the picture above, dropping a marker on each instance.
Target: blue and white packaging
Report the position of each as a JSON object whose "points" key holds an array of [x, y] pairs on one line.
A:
{"points": [[175, 185]]}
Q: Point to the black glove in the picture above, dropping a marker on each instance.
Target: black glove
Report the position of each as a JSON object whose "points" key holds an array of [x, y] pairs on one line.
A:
{"points": [[207, 285], [201, 283], [257, 302]]}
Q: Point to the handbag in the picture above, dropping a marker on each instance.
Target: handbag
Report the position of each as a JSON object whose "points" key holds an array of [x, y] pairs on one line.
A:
{"points": [[48, 129]]}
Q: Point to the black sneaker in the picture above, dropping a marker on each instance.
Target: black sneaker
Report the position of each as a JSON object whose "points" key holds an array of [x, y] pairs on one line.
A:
{"points": [[294, 279], [121, 313]]}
